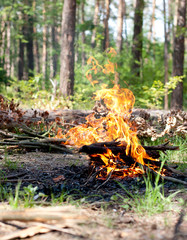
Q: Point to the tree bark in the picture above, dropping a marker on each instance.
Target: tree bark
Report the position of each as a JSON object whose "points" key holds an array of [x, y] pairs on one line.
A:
{"points": [[7, 51], [35, 43], [67, 48], [151, 34], [44, 49], [2, 39], [29, 38], [83, 35], [53, 41], [54, 44], [106, 42], [178, 55], [121, 10], [137, 38], [95, 22], [21, 63], [165, 57]]}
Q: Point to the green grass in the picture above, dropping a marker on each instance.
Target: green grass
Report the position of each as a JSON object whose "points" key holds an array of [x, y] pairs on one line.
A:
{"points": [[8, 163], [153, 201]]}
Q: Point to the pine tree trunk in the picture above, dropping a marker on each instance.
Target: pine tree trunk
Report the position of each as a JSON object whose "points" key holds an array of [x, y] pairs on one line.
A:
{"points": [[95, 22], [54, 44], [21, 62], [44, 49], [51, 54], [7, 51], [106, 42], [151, 32], [67, 48], [2, 39], [29, 38], [119, 41], [165, 57], [77, 34], [35, 43], [178, 55], [137, 38], [83, 35]]}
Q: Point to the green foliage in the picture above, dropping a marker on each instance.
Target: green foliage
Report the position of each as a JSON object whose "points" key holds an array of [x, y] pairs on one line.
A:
{"points": [[153, 96]]}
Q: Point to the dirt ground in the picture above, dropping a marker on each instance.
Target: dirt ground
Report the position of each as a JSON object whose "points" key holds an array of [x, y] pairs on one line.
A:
{"points": [[83, 221]]}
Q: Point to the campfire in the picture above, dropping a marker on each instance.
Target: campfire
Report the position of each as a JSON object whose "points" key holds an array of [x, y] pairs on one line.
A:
{"points": [[111, 140]]}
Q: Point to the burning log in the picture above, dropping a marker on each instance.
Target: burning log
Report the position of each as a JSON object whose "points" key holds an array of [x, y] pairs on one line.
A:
{"points": [[117, 149], [111, 157]]}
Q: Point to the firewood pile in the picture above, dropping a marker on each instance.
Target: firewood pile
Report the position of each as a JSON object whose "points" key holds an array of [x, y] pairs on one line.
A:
{"points": [[20, 129], [19, 132]]}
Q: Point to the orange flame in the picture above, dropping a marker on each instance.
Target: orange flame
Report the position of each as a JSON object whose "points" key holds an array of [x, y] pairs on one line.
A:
{"points": [[115, 125]]}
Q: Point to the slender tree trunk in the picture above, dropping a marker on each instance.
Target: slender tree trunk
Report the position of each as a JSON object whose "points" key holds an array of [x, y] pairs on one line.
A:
{"points": [[29, 44], [83, 35], [55, 46], [13, 55], [106, 42], [21, 60], [53, 42], [178, 55], [44, 49], [67, 48], [165, 57], [137, 38], [35, 43], [119, 41], [51, 54], [95, 22], [36, 52], [152, 23], [77, 34], [7, 51], [3, 36]]}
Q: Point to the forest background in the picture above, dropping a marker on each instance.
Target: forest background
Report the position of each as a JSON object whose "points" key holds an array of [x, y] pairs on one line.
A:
{"points": [[56, 54]]}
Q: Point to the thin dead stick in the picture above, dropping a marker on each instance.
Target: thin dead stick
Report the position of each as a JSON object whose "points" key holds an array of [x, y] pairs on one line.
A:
{"points": [[30, 144], [164, 177], [8, 134], [49, 140], [108, 178], [17, 180], [92, 176], [14, 175], [176, 171], [52, 146], [173, 180]]}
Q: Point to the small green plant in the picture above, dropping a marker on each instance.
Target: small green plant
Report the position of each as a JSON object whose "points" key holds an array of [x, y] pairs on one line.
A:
{"points": [[14, 200], [28, 194], [24, 198], [8, 163]]}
